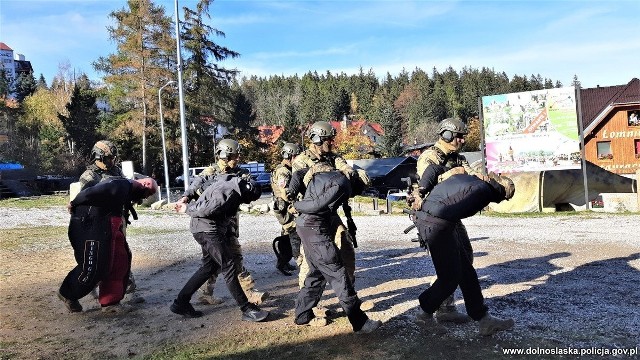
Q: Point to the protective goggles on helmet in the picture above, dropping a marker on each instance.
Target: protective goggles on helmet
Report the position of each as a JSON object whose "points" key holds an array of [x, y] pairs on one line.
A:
{"points": [[224, 155]]}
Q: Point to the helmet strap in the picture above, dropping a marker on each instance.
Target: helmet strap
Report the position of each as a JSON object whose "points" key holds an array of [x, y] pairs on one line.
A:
{"points": [[448, 147], [101, 164], [223, 165], [316, 149]]}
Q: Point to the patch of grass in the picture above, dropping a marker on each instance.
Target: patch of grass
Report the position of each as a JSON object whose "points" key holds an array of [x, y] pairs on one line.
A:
{"points": [[15, 238], [6, 352], [134, 230], [585, 214], [300, 342], [36, 201]]}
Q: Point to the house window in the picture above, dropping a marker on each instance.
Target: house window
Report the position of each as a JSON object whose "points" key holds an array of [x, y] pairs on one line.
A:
{"points": [[634, 118], [636, 144], [604, 150]]}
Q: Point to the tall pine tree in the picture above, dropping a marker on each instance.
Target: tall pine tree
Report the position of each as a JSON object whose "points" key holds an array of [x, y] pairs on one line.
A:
{"points": [[82, 121]]}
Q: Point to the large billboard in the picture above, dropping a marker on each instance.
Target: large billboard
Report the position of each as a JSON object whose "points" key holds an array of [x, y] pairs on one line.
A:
{"points": [[531, 131]]}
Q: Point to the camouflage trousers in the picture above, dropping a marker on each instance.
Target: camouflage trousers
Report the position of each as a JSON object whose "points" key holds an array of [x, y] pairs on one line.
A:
{"points": [[244, 276], [343, 241]]}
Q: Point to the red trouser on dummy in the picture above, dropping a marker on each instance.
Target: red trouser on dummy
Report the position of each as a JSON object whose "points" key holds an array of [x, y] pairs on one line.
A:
{"points": [[114, 283]]}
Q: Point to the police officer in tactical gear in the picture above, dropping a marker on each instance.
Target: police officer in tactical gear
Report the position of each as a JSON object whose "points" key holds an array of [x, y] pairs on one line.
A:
{"points": [[438, 221], [446, 152], [280, 179], [326, 191], [320, 151], [228, 159], [211, 215], [104, 157], [98, 237], [322, 135]]}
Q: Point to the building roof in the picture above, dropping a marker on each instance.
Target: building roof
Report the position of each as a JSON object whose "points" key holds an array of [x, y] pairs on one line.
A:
{"points": [[597, 102], [416, 148], [4, 46], [376, 168], [269, 134], [359, 124]]}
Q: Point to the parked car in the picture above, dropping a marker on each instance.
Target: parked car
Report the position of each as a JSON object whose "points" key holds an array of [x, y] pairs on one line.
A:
{"points": [[264, 179]]}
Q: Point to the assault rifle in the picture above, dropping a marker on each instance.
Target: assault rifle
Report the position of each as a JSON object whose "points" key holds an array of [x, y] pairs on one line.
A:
{"points": [[351, 226], [419, 239], [412, 215]]}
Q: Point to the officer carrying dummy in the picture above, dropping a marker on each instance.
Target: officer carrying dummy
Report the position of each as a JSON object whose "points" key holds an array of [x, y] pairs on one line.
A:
{"points": [[97, 235], [326, 191], [458, 197], [227, 162], [211, 216]]}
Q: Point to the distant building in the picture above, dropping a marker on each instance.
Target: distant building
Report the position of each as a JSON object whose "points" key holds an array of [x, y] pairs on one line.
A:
{"points": [[373, 131], [269, 134], [13, 64], [611, 126]]}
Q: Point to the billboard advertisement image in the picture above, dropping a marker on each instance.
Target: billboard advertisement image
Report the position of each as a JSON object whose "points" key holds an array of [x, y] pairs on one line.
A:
{"points": [[531, 131]]}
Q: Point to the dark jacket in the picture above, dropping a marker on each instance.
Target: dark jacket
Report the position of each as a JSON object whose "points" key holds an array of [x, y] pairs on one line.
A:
{"points": [[461, 196], [325, 193], [200, 183], [111, 197], [198, 186], [218, 203], [296, 184]]}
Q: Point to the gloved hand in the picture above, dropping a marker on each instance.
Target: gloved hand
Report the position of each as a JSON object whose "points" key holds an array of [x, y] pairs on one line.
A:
{"points": [[279, 205], [292, 210], [453, 171], [410, 200], [416, 204], [482, 177]]}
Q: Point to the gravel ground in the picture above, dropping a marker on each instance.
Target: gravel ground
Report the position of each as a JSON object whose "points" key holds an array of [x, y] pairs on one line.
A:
{"points": [[568, 281]]}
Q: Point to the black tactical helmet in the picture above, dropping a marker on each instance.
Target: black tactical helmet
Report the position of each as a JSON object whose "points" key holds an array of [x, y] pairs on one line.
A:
{"points": [[289, 150], [450, 127], [227, 147], [321, 130], [102, 149]]}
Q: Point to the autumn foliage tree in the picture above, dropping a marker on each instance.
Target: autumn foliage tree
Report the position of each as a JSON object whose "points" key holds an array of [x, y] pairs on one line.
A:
{"points": [[351, 144], [473, 138], [142, 63]]}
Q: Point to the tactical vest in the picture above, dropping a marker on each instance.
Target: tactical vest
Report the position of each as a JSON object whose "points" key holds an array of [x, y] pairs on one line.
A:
{"points": [[278, 189], [307, 159], [435, 155], [209, 174], [93, 175], [316, 168]]}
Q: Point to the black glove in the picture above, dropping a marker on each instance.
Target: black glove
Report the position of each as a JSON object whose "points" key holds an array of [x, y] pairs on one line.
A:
{"points": [[279, 205]]}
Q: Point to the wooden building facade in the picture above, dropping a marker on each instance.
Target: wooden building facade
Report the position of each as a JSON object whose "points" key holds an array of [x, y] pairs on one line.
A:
{"points": [[611, 122]]}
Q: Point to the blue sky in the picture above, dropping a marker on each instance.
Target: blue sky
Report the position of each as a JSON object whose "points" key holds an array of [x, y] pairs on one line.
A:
{"points": [[599, 41]]}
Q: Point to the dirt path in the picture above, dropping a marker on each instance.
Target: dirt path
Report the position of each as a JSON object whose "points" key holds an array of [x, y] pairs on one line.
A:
{"points": [[568, 282]]}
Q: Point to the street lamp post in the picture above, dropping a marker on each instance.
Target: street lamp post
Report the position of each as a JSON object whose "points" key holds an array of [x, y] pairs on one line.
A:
{"points": [[164, 146], [183, 121]]}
